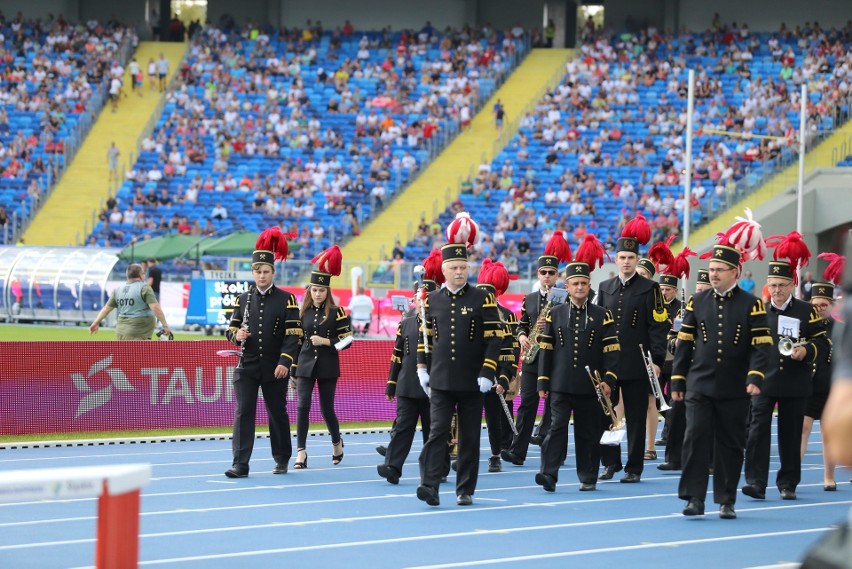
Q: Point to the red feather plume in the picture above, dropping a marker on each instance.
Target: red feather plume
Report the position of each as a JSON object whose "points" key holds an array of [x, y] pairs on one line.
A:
{"points": [[558, 247], [792, 248], [591, 252], [679, 266], [661, 254], [638, 228], [432, 264], [329, 261], [834, 272], [495, 274], [463, 229], [273, 239]]}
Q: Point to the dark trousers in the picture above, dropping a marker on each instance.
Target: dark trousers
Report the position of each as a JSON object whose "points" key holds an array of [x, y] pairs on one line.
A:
{"points": [[408, 411], [676, 423], [587, 422], [506, 433], [326, 387], [433, 458], [525, 419], [543, 426], [246, 383], [791, 411], [494, 417], [713, 426], [635, 394]]}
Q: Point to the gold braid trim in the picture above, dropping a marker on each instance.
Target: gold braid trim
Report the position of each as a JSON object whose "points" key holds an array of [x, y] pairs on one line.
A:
{"points": [[686, 337], [612, 348]]}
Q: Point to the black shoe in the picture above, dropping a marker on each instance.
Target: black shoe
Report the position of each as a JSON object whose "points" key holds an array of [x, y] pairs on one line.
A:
{"points": [[280, 468], [536, 440], [660, 442], [588, 486], [464, 500], [609, 472], [428, 495], [631, 478], [443, 479], [382, 450], [389, 473], [546, 481], [668, 466], [235, 473], [830, 487], [726, 512], [494, 464], [788, 494], [509, 456], [694, 507], [754, 491], [455, 465]]}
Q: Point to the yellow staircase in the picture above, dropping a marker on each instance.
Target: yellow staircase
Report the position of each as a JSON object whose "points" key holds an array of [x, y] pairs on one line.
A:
{"points": [[819, 157], [86, 182], [541, 70]]}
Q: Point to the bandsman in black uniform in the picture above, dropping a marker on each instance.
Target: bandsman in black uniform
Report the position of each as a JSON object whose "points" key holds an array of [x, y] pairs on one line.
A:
{"points": [[789, 377], [675, 427], [530, 325], [327, 330], [265, 324], [494, 278], [403, 385], [722, 351], [577, 335], [464, 333], [640, 318], [822, 297]]}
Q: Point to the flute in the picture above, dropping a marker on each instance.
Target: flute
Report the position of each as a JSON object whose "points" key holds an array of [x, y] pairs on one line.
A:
{"points": [[244, 326]]}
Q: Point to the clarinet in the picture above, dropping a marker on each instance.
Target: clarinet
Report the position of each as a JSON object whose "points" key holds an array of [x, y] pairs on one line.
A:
{"points": [[244, 326]]}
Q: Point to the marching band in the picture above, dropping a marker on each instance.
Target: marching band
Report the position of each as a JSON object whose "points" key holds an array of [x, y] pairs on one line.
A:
{"points": [[716, 365]]}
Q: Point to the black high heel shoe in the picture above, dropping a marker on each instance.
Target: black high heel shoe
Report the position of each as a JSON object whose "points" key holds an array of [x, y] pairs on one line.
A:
{"points": [[336, 458], [301, 464]]}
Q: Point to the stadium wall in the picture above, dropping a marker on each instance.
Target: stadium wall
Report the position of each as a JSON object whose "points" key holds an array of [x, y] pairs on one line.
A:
{"points": [[763, 16]]}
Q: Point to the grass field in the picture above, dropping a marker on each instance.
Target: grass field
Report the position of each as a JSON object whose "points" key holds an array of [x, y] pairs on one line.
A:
{"points": [[36, 333]]}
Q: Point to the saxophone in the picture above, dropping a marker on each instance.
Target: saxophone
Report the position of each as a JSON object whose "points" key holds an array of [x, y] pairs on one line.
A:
{"points": [[535, 334]]}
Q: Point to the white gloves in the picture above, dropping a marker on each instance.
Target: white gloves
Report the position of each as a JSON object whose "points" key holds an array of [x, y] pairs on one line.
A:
{"points": [[485, 384], [423, 376]]}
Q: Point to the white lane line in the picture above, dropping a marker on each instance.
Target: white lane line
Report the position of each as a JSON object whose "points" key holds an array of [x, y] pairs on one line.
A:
{"points": [[621, 548]]}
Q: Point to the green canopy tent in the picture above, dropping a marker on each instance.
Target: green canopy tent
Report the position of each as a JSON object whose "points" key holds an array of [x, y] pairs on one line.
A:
{"points": [[164, 247], [238, 243]]}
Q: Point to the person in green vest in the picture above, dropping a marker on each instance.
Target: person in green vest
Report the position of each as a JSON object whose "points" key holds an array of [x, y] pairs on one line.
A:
{"points": [[549, 33], [137, 306]]}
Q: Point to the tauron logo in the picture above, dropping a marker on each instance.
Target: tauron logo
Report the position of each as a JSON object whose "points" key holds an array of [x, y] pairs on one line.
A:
{"points": [[92, 399]]}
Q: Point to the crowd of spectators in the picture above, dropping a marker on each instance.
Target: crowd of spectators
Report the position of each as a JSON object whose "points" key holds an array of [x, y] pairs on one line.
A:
{"points": [[50, 70], [332, 123], [609, 140]]}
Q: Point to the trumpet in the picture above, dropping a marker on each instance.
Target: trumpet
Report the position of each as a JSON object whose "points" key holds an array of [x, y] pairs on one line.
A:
{"points": [[655, 381], [605, 401], [787, 345]]}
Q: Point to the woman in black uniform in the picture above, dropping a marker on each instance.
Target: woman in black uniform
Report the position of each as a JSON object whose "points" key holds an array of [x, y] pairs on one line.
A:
{"points": [[325, 324]]}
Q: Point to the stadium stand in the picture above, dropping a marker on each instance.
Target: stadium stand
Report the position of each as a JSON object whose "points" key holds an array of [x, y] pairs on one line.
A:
{"points": [[609, 140], [312, 134], [54, 80]]}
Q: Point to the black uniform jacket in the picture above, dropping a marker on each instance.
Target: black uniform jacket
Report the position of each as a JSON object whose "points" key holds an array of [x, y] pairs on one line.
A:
{"points": [[464, 332], [822, 376], [723, 344], [532, 306], [274, 325], [510, 348], [573, 339], [640, 318], [322, 361], [786, 377], [402, 378]]}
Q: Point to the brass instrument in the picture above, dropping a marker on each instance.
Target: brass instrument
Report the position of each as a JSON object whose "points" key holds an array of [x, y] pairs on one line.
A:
{"points": [[536, 333], [453, 441], [787, 345], [655, 381], [615, 434]]}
